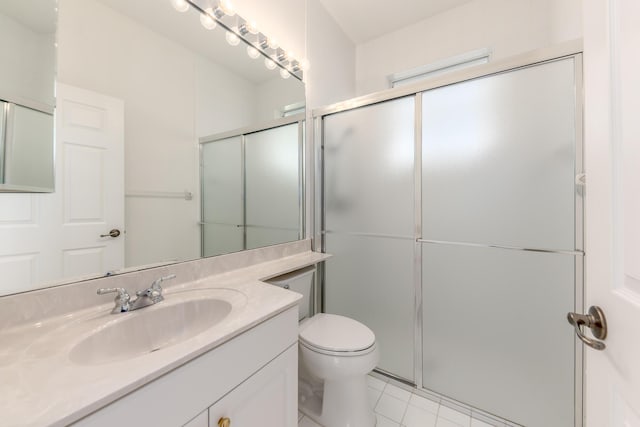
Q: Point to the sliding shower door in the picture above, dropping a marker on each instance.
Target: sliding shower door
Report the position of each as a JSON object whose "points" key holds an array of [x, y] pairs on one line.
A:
{"points": [[466, 259], [500, 253], [222, 190], [252, 187], [273, 193], [369, 225]]}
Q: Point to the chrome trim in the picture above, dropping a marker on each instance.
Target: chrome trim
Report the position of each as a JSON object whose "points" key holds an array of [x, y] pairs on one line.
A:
{"points": [[302, 170], [579, 302], [565, 49], [319, 221], [511, 248], [318, 185], [276, 123], [269, 227], [28, 103], [201, 177], [243, 186], [417, 247], [394, 377], [4, 107], [356, 233]]}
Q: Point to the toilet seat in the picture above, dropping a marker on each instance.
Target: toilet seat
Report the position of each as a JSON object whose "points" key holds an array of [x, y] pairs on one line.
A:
{"points": [[336, 335]]}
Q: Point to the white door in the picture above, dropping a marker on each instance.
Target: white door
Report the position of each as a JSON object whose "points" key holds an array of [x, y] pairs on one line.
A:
{"points": [[612, 159], [90, 177]]}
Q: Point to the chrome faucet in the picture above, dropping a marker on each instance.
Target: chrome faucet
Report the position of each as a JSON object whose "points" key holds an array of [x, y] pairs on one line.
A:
{"points": [[122, 300], [151, 295]]}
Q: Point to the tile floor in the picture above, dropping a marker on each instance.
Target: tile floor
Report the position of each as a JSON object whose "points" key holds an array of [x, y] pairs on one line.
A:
{"points": [[395, 407]]}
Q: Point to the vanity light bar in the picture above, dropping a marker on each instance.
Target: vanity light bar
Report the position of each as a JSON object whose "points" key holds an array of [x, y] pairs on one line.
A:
{"points": [[238, 29]]}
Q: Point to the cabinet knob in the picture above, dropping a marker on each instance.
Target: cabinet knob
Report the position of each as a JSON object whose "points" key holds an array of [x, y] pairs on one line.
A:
{"points": [[224, 422]]}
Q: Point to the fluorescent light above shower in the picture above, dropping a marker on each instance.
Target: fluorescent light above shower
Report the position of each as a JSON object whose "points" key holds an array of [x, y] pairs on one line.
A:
{"points": [[222, 13]]}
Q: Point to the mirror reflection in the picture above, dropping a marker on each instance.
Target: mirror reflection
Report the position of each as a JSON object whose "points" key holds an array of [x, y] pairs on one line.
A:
{"points": [[139, 85], [27, 43]]}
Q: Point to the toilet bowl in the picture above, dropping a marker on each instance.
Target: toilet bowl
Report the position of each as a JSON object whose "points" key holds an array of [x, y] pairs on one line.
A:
{"points": [[335, 355]]}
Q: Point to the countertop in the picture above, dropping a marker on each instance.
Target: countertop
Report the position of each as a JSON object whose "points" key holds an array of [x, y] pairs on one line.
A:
{"points": [[41, 386]]}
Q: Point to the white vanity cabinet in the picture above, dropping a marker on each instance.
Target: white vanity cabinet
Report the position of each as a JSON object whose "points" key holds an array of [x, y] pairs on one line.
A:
{"points": [[268, 398], [202, 420], [251, 379]]}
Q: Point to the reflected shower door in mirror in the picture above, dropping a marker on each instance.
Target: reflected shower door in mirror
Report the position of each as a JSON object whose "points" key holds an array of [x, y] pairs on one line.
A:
{"points": [[252, 187], [27, 76], [177, 82]]}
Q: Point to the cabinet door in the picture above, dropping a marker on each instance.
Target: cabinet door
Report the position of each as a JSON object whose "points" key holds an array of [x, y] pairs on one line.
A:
{"points": [[269, 398], [202, 420]]}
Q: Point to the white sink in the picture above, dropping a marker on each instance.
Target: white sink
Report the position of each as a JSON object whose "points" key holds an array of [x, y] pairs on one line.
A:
{"points": [[179, 317]]}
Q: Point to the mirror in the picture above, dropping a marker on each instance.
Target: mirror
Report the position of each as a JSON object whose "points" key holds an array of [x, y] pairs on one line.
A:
{"points": [[27, 43], [139, 85]]}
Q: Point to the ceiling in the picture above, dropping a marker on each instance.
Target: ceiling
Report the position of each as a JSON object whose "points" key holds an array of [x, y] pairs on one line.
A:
{"points": [[364, 20]]}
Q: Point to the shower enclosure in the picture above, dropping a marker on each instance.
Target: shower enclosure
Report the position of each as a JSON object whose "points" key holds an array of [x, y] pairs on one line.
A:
{"points": [[454, 211], [251, 186]]}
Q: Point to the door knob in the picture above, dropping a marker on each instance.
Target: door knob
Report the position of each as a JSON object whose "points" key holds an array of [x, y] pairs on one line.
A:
{"points": [[113, 233], [595, 321], [224, 422]]}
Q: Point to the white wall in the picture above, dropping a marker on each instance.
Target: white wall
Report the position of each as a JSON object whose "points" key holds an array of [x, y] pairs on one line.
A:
{"points": [[224, 101], [165, 112], [508, 27], [332, 76], [274, 94]]}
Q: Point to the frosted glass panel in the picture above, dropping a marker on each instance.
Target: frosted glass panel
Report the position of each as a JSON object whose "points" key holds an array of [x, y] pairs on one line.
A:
{"points": [[220, 239], [495, 332], [258, 237], [222, 190], [368, 169], [368, 192], [28, 150], [370, 279], [499, 159], [272, 164]]}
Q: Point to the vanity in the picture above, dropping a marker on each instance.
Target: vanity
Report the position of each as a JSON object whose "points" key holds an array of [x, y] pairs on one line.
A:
{"points": [[220, 350]]}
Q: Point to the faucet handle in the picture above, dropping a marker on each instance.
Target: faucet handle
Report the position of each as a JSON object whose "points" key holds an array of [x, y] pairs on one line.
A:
{"points": [[155, 290], [122, 298], [162, 279]]}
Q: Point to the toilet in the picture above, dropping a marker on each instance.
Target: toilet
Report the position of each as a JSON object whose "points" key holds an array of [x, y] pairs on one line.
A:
{"points": [[335, 355]]}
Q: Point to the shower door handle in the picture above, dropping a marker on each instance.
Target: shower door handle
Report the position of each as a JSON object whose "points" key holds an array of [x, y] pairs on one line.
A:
{"points": [[595, 321]]}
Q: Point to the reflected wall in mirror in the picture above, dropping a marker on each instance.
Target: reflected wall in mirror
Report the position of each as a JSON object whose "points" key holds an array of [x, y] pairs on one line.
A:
{"points": [[138, 85], [27, 75]]}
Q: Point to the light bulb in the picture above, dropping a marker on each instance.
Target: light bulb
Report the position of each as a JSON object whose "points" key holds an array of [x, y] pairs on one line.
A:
{"points": [[227, 7], [284, 73], [252, 27], [273, 43], [269, 63], [206, 20], [252, 52], [180, 5], [232, 38]]}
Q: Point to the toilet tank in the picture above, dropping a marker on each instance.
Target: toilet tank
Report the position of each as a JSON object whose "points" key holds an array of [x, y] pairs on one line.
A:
{"points": [[300, 281]]}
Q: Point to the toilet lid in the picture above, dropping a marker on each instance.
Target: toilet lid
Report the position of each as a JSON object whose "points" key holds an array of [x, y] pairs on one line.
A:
{"points": [[336, 333]]}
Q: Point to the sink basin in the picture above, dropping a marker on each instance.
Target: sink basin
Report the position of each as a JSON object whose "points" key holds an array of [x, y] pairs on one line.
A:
{"points": [[149, 329]]}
